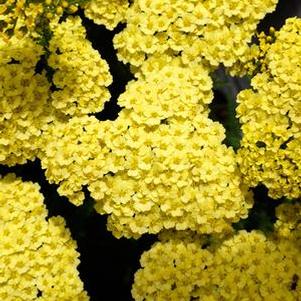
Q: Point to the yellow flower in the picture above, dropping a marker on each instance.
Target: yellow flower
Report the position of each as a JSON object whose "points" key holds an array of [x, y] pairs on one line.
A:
{"points": [[213, 33], [108, 13], [182, 265], [83, 89], [38, 254], [269, 113], [24, 98]]}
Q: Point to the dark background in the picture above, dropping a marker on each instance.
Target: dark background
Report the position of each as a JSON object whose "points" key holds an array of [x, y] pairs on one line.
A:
{"points": [[108, 264]]}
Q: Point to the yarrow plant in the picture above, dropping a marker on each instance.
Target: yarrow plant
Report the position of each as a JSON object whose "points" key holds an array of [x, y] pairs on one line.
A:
{"points": [[38, 256], [163, 166]]}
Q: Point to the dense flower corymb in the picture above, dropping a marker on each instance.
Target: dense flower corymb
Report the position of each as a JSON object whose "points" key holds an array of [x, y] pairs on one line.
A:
{"points": [[270, 114], [245, 266], [81, 75], [176, 175], [30, 18], [38, 257], [217, 31], [24, 107], [160, 165], [166, 90], [72, 155], [171, 168], [288, 224], [106, 12]]}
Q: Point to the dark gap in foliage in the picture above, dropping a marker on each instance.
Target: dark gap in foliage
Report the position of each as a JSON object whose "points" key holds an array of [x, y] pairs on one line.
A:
{"points": [[218, 110], [108, 264], [39, 293], [218, 107], [294, 282], [260, 144], [102, 40], [223, 106], [222, 110], [43, 65], [278, 17], [64, 17], [262, 215], [13, 62]]}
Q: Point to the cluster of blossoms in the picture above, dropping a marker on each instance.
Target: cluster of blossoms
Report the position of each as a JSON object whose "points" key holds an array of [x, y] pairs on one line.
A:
{"points": [[24, 107], [73, 156], [270, 114], [32, 17], [81, 76], [217, 31], [288, 224], [173, 171], [242, 266], [38, 256], [161, 166], [177, 176], [28, 107], [106, 12], [29, 17]]}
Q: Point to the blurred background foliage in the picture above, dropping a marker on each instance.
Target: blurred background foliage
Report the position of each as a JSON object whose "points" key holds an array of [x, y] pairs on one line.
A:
{"points": [[107, 262]]}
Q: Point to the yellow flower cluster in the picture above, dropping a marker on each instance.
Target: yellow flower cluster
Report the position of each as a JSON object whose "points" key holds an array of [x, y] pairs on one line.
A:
{"points": [[72, 155], [106, 12], [161, 164], [38, 257], [21, 49], [21, 17], [18, 17], [218, 31], [172, 169], [288, 224], [265, 42], [270, 114], [81, 75], [167, 91], [248, 63], [24, 107], [246, 266], [254, 61], [175, 175], [171, 269]]}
